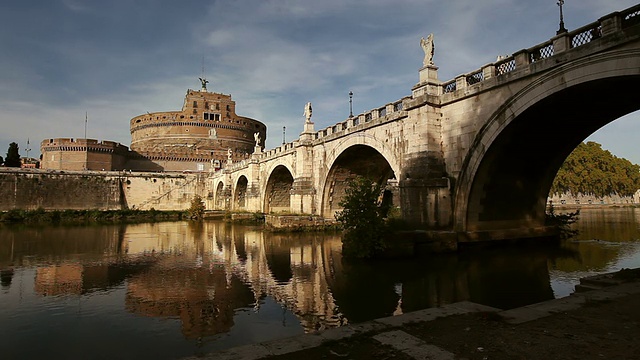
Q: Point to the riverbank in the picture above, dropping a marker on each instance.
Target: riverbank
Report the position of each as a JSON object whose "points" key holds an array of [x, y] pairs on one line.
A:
{"points": [[574, 207], [71, 217], [600, 322]]}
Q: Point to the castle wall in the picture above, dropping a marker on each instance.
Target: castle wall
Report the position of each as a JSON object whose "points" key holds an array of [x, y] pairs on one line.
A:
{"points": [[82, 154], [30, 189]]}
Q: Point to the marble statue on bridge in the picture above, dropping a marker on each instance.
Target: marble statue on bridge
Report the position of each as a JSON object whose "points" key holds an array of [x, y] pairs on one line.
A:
{"points": [[307, 112], [429, 48]]}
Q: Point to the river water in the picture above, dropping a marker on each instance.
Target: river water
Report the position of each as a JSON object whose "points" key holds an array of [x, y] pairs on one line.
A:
{"points": [[175, 289]]}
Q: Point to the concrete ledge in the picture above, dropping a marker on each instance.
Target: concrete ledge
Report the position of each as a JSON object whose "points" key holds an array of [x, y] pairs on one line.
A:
{"points": [[306, 341], [430, 314]]}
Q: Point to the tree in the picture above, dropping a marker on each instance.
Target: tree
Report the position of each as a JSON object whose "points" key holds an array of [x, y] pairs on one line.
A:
{"points": [[196, 210], [591, 170], [1, 160], [362, 219], [13, 156]]}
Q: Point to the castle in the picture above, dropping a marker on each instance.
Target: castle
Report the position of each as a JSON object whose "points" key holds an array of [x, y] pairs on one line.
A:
{"points": [[200, 137]]}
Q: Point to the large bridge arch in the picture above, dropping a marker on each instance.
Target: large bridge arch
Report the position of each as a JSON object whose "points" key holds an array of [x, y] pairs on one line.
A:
{"points": [[360, 155], [513, 160], [277, 194]]}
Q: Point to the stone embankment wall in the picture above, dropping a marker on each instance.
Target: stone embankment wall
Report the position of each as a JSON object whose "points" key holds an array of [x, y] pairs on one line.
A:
{"points": [[586, 199], [104, 190]]}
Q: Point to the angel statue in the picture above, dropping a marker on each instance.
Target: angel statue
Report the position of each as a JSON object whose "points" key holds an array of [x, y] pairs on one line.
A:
{"points": [[204, 83], [256, 137], [429, 48], [307, 112], [229, 153]]}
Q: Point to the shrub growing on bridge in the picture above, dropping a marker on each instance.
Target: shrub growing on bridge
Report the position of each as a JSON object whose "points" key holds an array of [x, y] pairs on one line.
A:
{"points": [[196, 210], [362, 219]]}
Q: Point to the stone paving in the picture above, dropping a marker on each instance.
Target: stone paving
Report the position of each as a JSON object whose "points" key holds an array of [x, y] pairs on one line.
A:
{"points": [[389, 330]]}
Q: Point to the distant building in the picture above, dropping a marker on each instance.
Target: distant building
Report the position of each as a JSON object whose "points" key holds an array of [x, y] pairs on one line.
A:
{"points": [[82, 154], [202, 135], [29, 163]]}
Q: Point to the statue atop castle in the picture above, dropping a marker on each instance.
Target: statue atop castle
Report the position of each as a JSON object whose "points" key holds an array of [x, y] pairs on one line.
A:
{"points": [[204, 83], [429, 48]]}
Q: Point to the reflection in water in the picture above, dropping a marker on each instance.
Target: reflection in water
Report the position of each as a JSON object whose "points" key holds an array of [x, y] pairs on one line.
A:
{"points": [[188, 288], [608, 240]]}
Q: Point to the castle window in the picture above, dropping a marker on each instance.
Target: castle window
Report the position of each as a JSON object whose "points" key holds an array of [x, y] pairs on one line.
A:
{"points": [[228, 108], [217, 106], [211, 116], [195, 104]]}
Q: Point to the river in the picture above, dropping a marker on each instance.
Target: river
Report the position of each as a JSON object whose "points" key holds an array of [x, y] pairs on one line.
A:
{"points": [[176, 289]]}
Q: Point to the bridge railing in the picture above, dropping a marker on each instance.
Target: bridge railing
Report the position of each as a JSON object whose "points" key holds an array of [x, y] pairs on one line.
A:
{"points": [[606, 25], [386, 111]]}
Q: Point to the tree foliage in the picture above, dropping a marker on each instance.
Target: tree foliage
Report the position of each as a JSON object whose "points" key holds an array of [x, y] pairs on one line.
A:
{"points": [[591, 170], [13, 156], [196, 210], [362, 219]]}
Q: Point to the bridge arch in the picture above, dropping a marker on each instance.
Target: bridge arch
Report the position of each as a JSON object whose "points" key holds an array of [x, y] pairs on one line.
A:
{"points": [[360, 155], [513, 160], [220, 198], [240, 193], [277, 196]]}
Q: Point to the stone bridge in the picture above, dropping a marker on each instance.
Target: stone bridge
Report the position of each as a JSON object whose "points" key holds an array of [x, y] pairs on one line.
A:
{"points": [[474, 156]]}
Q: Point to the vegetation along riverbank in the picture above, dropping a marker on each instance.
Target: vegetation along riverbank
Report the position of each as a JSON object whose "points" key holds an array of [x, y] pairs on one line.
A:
{"points": [[41, 216]]}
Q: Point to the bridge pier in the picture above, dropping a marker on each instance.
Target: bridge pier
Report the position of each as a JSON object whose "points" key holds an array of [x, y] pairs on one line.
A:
{"points": [[303, 196], [426, 203]]}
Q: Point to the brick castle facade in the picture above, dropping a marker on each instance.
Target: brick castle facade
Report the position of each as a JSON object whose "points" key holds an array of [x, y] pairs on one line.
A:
{"points": [[203, 135]]}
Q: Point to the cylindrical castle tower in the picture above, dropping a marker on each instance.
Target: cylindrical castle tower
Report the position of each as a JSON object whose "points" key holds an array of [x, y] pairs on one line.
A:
{"points": [[197, 137]]}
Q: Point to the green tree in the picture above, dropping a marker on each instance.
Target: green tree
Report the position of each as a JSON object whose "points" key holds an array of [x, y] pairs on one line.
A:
{"points": [[591, 170], [362, 219], [196, 210], [13, 156], [1, 160]]}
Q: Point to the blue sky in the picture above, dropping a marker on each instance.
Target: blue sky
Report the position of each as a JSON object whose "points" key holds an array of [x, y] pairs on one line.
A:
{"points": [[120, 58]]}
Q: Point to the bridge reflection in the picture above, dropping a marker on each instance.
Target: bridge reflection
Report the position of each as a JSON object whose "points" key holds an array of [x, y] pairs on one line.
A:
{"points": [[206, 274]]}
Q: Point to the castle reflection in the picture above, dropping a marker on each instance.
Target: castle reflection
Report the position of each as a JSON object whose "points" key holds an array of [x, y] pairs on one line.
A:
{"points": [[205, 273]]}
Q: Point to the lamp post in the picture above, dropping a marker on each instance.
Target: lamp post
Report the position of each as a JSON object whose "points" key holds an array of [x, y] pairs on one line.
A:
{"points": [[350, 104], [562, 28], [28, 149], [284, 128]]}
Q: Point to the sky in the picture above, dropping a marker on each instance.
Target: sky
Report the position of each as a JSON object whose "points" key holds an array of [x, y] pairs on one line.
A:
{"points": [[109, 61]]}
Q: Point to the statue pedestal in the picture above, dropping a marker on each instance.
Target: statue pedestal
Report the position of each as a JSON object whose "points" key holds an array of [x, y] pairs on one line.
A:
{"points": [[257, 149], [309, 132], [429, 83], [428, 73]]}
